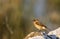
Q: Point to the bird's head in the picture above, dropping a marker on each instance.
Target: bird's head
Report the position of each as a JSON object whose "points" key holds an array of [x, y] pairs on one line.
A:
{"points": [[35, 20]]}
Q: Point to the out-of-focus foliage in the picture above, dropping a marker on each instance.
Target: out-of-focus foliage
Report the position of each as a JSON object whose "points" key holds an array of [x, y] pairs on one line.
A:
{"points": [[53, 13], [13, 10], [54, 4]]}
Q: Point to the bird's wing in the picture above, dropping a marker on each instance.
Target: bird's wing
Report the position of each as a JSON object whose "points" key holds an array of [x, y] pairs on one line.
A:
{"points": [[40, 24]]}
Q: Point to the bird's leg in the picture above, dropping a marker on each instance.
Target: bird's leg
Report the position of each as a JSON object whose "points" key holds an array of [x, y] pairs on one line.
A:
{"points": [[40, 32]]}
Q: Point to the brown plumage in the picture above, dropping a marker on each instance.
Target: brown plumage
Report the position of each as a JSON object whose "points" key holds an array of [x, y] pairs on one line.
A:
{"points": [[39, 25]]}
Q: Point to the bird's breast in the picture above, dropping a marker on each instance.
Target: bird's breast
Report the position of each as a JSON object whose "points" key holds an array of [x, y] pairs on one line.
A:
{"points": [[38, 26]]}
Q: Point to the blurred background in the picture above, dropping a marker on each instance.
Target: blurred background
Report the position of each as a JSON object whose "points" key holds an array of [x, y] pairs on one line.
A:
{"points": [[16, 16]]}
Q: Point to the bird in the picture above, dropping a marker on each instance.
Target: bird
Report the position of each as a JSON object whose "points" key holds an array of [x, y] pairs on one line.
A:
{"points": [[39, 25]]}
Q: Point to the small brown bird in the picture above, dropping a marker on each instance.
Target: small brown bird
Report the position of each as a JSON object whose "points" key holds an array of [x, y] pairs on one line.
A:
{"points": [[39, 25]]}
